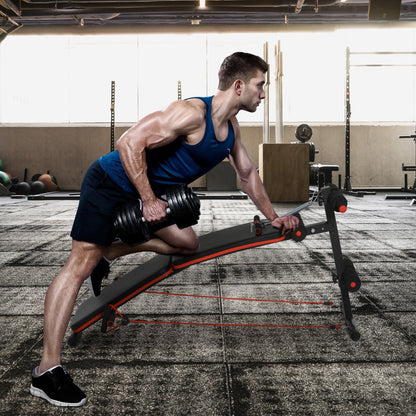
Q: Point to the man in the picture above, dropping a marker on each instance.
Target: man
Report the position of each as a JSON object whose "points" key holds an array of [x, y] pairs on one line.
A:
{"points": [[166, 148]]}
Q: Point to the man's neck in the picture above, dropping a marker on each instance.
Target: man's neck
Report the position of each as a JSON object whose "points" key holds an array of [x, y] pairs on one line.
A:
{"points": [[224, 107]]}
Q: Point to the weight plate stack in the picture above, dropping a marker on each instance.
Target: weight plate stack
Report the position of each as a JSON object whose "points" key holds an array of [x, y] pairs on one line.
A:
{"points": [[129, 224], [184, 206]]}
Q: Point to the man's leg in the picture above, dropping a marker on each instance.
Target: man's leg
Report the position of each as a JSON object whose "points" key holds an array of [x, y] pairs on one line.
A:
{"points": [[183, 241], [169, 240], [61, 296], [50, 381]]}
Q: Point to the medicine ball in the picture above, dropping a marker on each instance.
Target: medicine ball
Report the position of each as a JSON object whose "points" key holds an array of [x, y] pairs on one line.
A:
{"points": [[22, 188], [38, 187], [4, 178], [14, 182], [49, 181]]}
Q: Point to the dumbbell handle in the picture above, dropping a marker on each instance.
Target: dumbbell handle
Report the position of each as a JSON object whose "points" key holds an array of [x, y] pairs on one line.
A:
{"points": [[168, 212]]}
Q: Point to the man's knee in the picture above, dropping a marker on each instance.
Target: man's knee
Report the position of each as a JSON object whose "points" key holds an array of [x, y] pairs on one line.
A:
{"points": [[84, 257], [185, 241], [187, 244], [192, 245]]}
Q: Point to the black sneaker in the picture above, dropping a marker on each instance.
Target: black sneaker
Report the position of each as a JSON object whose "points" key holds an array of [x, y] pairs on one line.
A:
{"points": [[98, 274], [56, 386]]}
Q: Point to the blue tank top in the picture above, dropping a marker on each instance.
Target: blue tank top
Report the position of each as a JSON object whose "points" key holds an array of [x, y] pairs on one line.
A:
{"points": [[178, 162]]}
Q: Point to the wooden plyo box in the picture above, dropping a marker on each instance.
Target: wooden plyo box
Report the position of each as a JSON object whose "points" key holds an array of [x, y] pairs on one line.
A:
{"points": [[284, 170]]}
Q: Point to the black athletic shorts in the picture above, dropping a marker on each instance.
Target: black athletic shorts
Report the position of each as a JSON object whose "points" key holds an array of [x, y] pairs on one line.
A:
{"points": [[100, 195]]}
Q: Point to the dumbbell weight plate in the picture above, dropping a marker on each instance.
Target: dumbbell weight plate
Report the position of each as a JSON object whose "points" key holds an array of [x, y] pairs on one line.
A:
{"points": [[121, 221], [178, 209], [187, 215], [129, 224], [142, 227], [184, 207], [303, 133], [195, 204]]}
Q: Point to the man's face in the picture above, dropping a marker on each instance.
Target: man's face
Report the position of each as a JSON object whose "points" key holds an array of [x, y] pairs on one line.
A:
{"points": [[253, 92]]}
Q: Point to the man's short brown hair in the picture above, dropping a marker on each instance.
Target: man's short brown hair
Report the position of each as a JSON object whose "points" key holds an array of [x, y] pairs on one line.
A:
{"points": [[239, 65]]}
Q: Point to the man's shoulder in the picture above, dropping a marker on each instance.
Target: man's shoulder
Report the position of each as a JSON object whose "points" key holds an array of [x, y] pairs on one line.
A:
{"points": [[183, 117], [195, 103], [189, 105], [191, 109]]}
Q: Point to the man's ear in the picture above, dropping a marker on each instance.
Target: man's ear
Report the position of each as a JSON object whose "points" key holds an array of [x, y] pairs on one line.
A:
{"points": [[238, 86]]}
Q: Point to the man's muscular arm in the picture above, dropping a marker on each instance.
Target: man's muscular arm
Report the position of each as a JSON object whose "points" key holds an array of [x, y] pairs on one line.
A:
{"points": [[180, 118], [253, 186]]}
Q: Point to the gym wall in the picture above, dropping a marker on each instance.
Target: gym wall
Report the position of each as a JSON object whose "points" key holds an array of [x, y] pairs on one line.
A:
{"points": [[376, 152]]}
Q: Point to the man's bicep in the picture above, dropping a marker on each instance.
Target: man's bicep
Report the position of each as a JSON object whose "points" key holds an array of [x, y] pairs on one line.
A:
{"points": [[240, 160]]}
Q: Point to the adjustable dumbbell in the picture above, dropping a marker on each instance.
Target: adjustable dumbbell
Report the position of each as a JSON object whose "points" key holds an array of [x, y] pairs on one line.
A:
{"points": [[183, 210]]}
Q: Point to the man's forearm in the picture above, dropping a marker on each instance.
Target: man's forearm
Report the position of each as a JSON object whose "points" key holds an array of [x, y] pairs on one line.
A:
{"points": [[135, 166], [254, 187]]}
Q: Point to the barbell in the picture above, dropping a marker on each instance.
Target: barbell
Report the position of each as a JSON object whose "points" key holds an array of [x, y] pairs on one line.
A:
{"points": [[183, 210]]}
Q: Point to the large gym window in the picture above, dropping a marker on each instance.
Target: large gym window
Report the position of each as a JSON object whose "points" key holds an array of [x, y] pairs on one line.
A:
{"points": [[67, 78], [33, 79]]}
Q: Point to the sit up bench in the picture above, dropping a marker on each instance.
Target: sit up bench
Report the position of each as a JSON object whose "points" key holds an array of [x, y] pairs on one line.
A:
{"points": [[220, 243]]}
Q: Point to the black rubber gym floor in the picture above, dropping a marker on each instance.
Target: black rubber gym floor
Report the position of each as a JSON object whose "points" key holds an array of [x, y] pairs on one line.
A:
{"points": [[155, 369]]}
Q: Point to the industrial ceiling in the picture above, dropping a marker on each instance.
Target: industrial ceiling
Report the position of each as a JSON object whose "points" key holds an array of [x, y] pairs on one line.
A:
{"points": [[20, 13]]}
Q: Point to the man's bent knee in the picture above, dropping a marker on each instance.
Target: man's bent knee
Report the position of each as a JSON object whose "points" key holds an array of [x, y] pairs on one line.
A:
{"points": [[185, 241], [186, 245], [83, 258], [191, 246]]}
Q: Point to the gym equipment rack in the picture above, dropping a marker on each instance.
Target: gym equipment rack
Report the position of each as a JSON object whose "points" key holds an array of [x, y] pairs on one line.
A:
{"points": [[347, 184]]}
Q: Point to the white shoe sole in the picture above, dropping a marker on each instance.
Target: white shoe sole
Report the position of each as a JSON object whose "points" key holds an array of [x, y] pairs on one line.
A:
{"points": [[34, 391]]}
